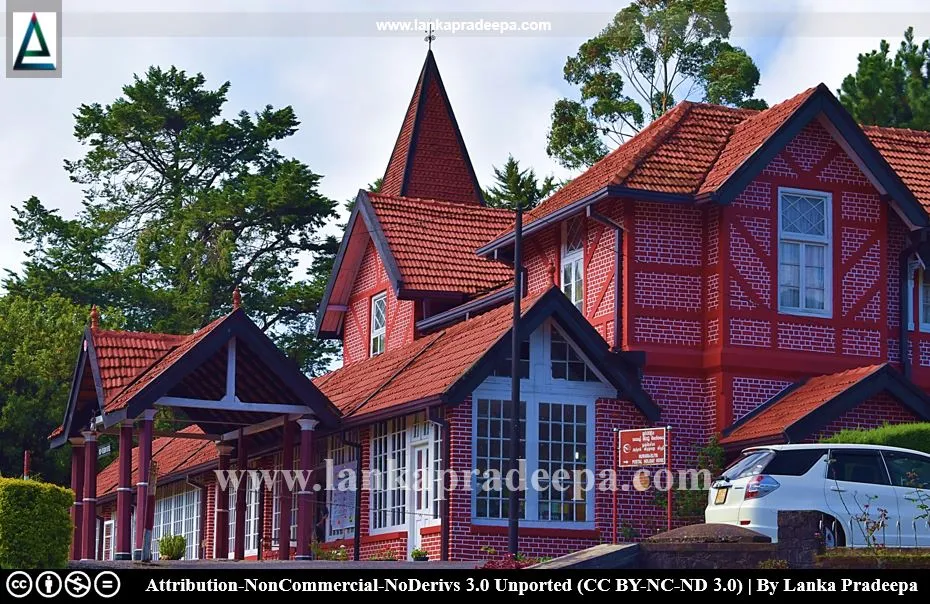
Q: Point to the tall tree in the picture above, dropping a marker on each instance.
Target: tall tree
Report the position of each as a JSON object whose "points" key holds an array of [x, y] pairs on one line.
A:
{"points": [[514, 186], [891, 91], [181, 206], [653, 53], [38, 347]]}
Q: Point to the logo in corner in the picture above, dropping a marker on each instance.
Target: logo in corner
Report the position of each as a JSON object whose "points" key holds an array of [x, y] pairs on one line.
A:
{"points": [[38, 46]]}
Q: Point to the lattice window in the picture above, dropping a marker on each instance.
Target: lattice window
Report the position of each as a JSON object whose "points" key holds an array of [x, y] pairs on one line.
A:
{"points": [[804, 264], [389, 468], [492, 459], [573, 260], [563, 448], [378, 323]]}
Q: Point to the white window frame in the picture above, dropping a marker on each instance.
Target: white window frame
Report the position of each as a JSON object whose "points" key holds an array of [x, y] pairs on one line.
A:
{"points": [[275, 505], [417, 430], [252, 495], [380, 334], [395, 429], [574, 260], [109, 539], [178, 506], [542, 388], [826, 241], [922, 321]]}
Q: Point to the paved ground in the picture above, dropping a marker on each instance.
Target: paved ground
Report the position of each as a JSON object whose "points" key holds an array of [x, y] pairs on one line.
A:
{"points": [[271, 565]]}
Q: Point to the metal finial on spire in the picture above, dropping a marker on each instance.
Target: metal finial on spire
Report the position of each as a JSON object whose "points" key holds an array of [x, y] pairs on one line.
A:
{"points": [[237, 298], [94, 317], [430, 36]]}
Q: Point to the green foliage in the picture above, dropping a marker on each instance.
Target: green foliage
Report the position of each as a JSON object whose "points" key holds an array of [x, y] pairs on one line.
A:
{"points": [[908, 436], [652, 54], [386, 554], [320, 552], [35, 524], [172, 547], [38, 347], [891, 91], [690, 502], [513, 186], [419, 553], [774, 564], [181, 205]]}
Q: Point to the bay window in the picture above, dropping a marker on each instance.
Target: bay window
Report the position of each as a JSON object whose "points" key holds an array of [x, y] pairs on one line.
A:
{"points": [[804, 252]]}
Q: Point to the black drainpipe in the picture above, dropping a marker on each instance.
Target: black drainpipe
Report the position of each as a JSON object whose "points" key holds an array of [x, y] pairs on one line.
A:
{"points": [[916, 240], [618, 262], [357, 538]]}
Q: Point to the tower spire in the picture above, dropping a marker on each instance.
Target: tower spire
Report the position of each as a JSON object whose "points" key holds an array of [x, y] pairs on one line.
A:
{"points": [[429, 159]]}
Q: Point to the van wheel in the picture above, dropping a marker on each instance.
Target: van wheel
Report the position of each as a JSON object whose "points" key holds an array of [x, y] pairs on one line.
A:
{"points": [[832, 530]]}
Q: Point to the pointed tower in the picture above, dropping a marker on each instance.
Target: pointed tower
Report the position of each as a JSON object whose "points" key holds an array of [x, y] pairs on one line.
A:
{"points": [[429, 158]]}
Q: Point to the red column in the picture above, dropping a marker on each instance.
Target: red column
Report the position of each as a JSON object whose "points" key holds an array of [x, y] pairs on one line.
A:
{"points": [[242, 466], [77, 485], [123, 549], [284, 493], [89, 506], [221, 530], [142, 484], [305, 520]]}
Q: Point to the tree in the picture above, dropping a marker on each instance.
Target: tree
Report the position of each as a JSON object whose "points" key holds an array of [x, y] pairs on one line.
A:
{"points": [[181, 206], [38, 348], [513, 185], [888, 91], [653, 53]]}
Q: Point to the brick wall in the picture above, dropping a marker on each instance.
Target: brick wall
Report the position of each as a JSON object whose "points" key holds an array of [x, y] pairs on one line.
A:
{"points": [[371, 280], [750, 392], [873, 413]]}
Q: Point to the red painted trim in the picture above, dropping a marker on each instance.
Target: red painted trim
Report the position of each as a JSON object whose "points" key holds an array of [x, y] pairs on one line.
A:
{"points": [[431, 530], [481, 529]]}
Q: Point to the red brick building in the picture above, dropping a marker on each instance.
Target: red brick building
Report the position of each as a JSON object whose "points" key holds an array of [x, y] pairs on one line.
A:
{"points": [[754, 275]]}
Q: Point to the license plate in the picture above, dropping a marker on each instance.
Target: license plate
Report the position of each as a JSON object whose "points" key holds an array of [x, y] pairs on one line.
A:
{"points": [[721, 496]]}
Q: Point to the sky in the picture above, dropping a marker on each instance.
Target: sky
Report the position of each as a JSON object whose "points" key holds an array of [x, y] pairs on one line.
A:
{"points": [[350, 85]]}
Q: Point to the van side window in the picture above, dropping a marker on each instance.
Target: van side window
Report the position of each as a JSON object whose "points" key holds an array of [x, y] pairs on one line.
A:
{"points": [[794, 462], [908, 470], [850, 465]]}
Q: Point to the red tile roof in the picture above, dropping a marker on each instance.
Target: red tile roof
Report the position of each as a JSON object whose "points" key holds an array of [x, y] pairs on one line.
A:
{"points": [[695, 148], [908, 153], [422, 370], [747, 136], [429, 158], [173, 456], [123, 355], [433, 243], [159, 366], [772, 421]]}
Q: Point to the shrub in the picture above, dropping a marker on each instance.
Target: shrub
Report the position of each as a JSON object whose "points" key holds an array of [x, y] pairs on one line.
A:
{"points": [[774, 563], [908, 436], [513, 562], [385, 555], [172, 547], [35, 524]]}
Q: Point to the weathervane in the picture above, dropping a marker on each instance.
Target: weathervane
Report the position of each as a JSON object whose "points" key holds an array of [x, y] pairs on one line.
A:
{"points": [[430, 36]]}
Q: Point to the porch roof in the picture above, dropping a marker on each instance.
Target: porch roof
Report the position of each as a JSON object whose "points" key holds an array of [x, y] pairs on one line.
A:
{"points": [[121, 374], [804, 408], [446, 366]]}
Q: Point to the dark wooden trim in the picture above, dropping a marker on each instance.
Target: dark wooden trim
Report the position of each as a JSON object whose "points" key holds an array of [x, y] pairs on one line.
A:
{"points": [[334, 274], [367, 211]]}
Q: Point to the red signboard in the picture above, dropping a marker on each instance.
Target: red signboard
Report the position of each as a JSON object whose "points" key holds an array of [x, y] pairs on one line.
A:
{"points": [[644, 447]]}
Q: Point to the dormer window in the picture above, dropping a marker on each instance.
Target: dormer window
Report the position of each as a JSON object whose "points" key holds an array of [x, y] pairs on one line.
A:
{"points": [[378, 323], [573, 261]]}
